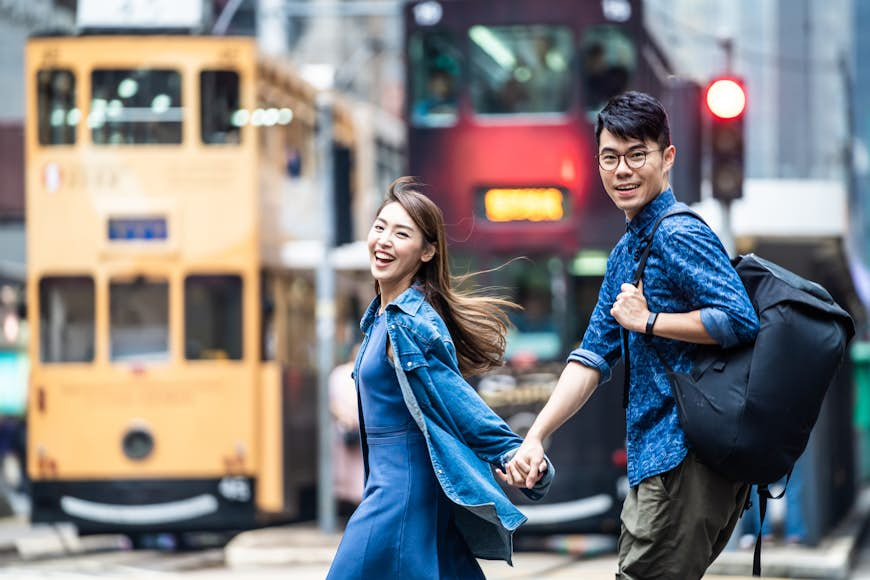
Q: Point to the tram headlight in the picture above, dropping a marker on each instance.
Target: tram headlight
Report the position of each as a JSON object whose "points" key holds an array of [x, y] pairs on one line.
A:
{"points": [[137, 443]]}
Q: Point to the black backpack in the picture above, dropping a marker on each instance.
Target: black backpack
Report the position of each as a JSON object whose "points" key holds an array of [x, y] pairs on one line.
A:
{"points": [[747, 411]]}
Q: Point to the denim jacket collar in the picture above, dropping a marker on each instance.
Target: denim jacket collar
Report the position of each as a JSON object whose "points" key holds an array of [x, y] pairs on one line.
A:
{"points": [[644, 220], [408, 301]]}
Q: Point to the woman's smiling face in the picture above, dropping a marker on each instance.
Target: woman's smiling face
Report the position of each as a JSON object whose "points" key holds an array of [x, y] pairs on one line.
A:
{"points": [[397, 248]]}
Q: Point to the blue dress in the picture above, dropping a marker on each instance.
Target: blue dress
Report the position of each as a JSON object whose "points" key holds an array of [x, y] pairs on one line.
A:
{"points": [[404, 527]]}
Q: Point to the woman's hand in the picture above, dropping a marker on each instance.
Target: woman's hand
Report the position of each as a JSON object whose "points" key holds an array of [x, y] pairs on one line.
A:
{"points": [[527, 466]]}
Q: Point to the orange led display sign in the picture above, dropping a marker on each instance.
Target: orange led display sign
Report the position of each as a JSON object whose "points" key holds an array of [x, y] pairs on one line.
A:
{"points": [[535, 204]]}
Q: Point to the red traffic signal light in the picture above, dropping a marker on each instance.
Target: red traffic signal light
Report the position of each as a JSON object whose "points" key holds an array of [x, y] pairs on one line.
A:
{"points": [[725, 98], [726, 101]]}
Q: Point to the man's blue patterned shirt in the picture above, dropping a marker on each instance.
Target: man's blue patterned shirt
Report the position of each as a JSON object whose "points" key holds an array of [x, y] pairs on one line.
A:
{"points": [[688, 269]]}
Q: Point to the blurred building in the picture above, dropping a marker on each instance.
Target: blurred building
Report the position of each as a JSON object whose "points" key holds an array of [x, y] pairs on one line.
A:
{"points": [[793, 55]]}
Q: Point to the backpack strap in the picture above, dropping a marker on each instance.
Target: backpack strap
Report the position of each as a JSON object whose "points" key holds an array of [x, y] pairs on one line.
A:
{"points": [[763, 495], [646, 245]]}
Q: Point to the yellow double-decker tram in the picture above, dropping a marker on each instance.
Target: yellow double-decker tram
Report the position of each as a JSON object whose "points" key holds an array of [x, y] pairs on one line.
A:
{"points": [[172, 384]]}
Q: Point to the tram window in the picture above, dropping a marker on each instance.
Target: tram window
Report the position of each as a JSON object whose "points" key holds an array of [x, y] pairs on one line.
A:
{"points": [[220, 116], [213, 317], [134, 107], [535, 335], [435, 77], [520, 69], [139, 320], [609, 60], [66, 319], [57, 113]]}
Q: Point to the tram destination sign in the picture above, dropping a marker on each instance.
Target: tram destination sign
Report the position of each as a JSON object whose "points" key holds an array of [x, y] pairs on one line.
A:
{"points": [[144, 14], [512, 204]]}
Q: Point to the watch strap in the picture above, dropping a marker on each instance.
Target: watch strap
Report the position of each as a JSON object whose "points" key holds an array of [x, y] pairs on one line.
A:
{"points": [[650, 322]]}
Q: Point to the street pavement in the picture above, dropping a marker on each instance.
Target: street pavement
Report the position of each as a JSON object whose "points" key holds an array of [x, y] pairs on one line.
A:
{"points": [[303, 552], [306, 551]]}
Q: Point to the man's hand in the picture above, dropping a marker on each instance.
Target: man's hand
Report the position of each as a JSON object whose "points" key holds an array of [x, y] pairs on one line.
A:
{"points": [[527, 466], [630, 309]]}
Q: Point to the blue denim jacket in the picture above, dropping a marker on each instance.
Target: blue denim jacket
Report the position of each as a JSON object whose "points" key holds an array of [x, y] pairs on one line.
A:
{"points": [[464, 436], [688, 269]]}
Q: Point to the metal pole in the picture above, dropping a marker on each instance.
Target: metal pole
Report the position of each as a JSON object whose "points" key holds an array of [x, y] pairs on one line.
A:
{"points": [[727, 234], [325, 316]]}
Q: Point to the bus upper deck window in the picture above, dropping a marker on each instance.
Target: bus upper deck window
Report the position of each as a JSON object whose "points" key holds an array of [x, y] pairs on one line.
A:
{"points": [[66, 319], [133, 107], [139, 320], [213, 317], [220, 116], [608, 63], [436, 65], [57, 113], [520, 69]]}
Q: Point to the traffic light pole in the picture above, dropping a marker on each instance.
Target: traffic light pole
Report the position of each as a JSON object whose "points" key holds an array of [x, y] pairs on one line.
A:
{"points": [[325, 316], [727, 234]]}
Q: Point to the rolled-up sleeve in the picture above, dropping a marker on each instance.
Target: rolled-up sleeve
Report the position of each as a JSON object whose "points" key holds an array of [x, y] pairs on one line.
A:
{"points": [[590, 359], [718, 326]]}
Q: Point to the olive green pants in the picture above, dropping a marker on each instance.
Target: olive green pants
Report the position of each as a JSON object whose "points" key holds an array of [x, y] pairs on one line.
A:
{"points": [[675, 524]]}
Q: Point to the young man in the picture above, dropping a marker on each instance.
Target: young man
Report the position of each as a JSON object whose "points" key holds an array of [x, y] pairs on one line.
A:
{"points": [[678, 514]]}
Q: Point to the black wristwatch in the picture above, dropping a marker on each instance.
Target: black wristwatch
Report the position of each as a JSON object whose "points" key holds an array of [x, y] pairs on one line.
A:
{"points": [[650, 322]]}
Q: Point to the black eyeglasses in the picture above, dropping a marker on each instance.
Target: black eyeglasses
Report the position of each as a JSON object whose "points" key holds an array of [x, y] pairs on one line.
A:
{"points": [[634, 159]]}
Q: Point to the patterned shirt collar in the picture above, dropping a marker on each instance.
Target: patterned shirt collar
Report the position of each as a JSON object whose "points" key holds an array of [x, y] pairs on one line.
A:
{"points": [[644, 220]]}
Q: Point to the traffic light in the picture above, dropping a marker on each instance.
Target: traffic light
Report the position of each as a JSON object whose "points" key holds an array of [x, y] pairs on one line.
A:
{"points": [[726, 102]]}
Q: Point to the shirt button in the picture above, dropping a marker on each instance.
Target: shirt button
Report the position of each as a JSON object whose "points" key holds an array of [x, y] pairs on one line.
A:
{"points": [[408, 364]]}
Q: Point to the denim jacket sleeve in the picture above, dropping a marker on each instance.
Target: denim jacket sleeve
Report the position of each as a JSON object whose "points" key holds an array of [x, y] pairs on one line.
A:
{"points": [[482, 430]]}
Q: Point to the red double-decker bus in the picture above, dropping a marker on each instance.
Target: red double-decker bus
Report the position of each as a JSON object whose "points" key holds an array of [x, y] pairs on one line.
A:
{"points": [[502, 101]]}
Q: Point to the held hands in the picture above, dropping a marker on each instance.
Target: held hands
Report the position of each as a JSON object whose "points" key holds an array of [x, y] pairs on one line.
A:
{"points": [[527, 467], [630, 309]]}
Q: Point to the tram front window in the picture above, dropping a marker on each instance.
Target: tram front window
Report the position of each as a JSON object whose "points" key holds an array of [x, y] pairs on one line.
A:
{"points": [[609, 61], [134, 107], [213, 317], [56, 107], [436, 75], [520, 69], [221, 118], [66, 319], [139, 320]]}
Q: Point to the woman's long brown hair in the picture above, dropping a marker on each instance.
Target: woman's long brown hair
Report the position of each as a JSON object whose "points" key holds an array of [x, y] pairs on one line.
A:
{"points": [[477, 323]]}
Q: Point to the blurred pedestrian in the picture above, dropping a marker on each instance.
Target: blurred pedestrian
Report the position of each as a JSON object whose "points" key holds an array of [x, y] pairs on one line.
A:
{"points": [[431, 502], [678, 514], [346, 451]]}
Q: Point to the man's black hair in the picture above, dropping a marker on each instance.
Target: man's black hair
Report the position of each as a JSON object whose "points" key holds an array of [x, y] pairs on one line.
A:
{"points": [[634, 115]]}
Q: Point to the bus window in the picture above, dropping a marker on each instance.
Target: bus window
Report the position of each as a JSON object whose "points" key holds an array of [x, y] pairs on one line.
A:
{"points": [[609, 61], [219, 106], [139, 320], [56, 107], [132, 107], [66, 319], [436, 73], [520, 69], [213, 317]]}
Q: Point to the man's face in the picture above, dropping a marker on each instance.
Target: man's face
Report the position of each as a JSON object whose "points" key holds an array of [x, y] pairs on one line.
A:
{"points": [[631, 187]]}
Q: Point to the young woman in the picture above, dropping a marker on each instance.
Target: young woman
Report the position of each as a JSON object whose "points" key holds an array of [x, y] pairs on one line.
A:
{"points": [[431, 503]]}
